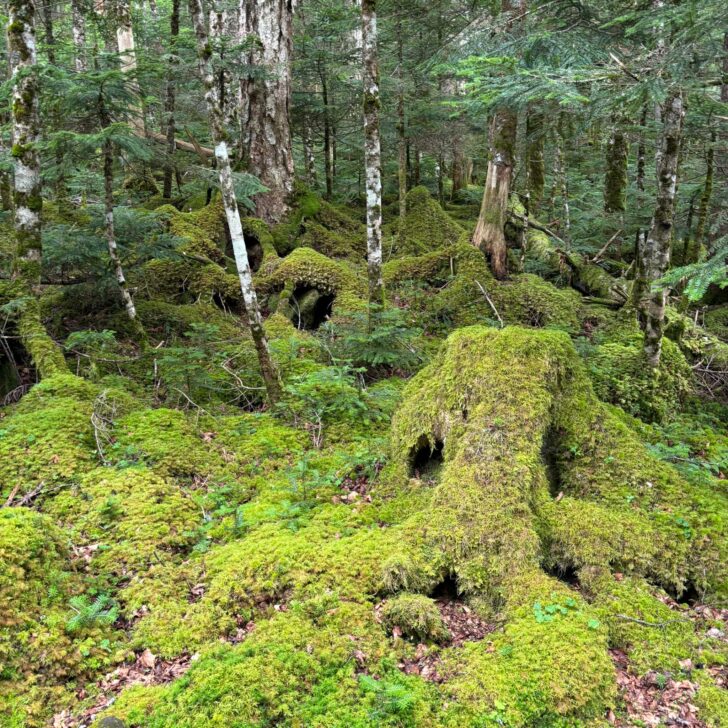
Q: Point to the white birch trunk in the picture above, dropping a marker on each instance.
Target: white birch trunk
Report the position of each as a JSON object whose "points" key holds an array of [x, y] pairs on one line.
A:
{"points": [[372, 152], [232, 213]]}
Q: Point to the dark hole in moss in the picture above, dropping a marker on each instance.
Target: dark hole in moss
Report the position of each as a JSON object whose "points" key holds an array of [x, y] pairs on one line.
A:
{"points": [[310, 308], [689, 595], [16, 370], [255, 252], [446, 590], [564, 572], [426, 460], [549, 457]]}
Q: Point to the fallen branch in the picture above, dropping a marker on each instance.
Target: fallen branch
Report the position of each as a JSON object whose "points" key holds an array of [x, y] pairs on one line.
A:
{"points": [[604, 249], [492, 305], [204, 152], [656, 625]]}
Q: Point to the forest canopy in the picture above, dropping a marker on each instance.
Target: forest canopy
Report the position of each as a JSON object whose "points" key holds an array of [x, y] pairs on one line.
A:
{"points": [[364, 363]]}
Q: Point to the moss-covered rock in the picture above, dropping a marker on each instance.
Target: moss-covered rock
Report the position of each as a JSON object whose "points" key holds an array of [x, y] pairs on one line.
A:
{"points": [[414, 616], [621, 377], [426, 225]]}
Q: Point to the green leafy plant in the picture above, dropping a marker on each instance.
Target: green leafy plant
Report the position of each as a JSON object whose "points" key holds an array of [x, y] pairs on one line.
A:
{"points": [[391, 699], [103, 610]]}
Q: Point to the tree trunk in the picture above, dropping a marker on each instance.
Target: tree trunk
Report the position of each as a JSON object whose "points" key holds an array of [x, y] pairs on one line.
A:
{"points": [[265, 102], [111, 235], [26, 137], [328, 147], [79, 35], [401, 135], [654, 249], [535, 160], [705, 197], [641, 152], [615, 179], [308, 153], [169, 101], [372, 152], [28, 202], [489, 235], [232, 214]]}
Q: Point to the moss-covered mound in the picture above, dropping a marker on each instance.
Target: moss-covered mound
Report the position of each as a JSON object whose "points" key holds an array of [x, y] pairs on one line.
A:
{"points": [[426, 226], [317, 224]]}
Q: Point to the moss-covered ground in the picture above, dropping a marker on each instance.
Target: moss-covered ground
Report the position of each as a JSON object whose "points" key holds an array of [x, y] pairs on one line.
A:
{"points": [[176, 553]]}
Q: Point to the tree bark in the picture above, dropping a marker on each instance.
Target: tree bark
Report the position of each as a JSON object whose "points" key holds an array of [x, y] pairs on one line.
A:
{"points": [[535, 159], [26, 137], [489, 234], [401, 135], [615, 179], [27, 189], [372, 152], [265, 102], [654, 248], [219, 135], [328, 146], [79, 35], [705, 197], [169, 101], [308, 153]]}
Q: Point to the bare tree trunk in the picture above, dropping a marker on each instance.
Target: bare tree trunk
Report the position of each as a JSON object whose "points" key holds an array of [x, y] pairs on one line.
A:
{"points": [[232, 213], [372, 152], [79, 35], [265, 102], [401, 135], [489, 233], [27, 189], [328, 146], [111, 235], [26, 137], [615, 179], [535, 159], [308, 153], [169, 101], [705, 197], [654, 249]]}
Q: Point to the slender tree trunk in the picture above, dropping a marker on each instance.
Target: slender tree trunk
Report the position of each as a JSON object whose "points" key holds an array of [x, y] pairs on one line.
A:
{"points": [[458, 167], [126, 296], [654, 252], [417, 167], [372, 152], [440, 180], [401, 135], [642, 152], [535, 159], [489, 233], [28, 202], [615, 179], [328, 146], [705, 197], [265, 102], [308, 153], [169, 101], [232, 213], [79, 35]]}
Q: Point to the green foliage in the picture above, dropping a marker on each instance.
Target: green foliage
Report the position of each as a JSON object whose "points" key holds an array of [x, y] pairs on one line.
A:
{"points": [[101, 611], [379, 340]]}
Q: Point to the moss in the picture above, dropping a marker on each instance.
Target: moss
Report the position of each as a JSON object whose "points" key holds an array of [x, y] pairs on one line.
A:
{"points": [[38, 654], [48, 440], [715, 322], [165, 319], [426, 225], [553, 672], [530, 301], [654, 636], [621, 377], [291, 670], [132, 516], [305, 269], [712, 701], [415, 616]]}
